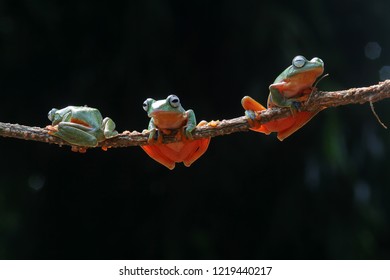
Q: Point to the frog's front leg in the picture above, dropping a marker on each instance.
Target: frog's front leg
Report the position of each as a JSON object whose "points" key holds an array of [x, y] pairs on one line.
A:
{"points": [[191, 124], [154, 134], [281, 101], [108, 127], [198, 147], [76, 134]]}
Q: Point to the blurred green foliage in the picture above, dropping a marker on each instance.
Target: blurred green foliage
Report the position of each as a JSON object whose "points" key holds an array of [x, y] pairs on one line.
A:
{"points": [[323, 193]]}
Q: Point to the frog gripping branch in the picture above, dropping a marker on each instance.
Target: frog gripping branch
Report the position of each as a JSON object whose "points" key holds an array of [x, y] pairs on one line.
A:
{"points": [[166, 117], [290, 89], [173, 135], [81, 126]]}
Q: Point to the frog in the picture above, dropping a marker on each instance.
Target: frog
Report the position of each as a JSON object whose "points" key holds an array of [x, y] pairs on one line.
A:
{"points": [[167, 116], [81, 126], [290, 89]]}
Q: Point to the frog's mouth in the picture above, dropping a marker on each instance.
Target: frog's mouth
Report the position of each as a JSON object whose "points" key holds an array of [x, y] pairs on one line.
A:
{"points": [[317, 71], [169, 120], [311, 75]]}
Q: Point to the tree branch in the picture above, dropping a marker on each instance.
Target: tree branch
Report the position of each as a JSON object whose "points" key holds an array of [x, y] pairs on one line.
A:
{"points": [[318, 100]]}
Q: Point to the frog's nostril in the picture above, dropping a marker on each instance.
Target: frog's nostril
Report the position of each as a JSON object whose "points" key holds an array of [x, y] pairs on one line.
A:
{"points": [[317, 60]]}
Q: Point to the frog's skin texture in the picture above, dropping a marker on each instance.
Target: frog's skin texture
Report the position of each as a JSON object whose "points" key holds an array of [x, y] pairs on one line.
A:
{"points": [[290, 89], [167, 116], [80, 126]]}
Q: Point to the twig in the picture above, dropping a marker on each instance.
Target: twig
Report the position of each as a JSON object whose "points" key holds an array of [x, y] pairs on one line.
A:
{"points": [[318, 99], [376, 116]]}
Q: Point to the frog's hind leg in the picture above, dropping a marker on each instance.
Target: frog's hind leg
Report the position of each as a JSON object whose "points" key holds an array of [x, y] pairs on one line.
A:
{"points": [[251, 106], [301, 118], [203, 144], [155, 153], [199, 148], [72, 134], [108, 126]]}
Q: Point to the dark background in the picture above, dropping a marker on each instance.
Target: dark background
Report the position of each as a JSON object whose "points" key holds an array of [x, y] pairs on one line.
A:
{"points": [[323, 193]]}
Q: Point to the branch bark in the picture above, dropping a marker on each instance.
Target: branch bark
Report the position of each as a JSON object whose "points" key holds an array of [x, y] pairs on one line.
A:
{"points": [[318, 99]]}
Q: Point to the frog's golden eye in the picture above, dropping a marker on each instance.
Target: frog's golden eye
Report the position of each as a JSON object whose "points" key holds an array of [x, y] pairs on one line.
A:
{"points": [[146, 104], [299, 61], [174, 101]]}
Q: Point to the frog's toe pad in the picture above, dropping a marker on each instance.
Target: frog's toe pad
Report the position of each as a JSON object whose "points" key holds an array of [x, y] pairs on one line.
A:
{"points": [[51, 129], [250, 114], [213, 123], [105, 148], [202, 123], [78, 149]]}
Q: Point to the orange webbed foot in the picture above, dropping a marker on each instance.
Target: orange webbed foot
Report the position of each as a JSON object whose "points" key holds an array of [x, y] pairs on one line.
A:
{"points": [[252, 107], [287, 126], [199, 147], [156, 153], [248, 103]]}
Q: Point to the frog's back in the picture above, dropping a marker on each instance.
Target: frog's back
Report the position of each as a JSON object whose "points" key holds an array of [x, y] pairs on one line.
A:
{"points": [[83, 114]]}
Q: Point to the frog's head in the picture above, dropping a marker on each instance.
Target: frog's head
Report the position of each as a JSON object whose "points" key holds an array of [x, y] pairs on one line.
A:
{"points": [[300, 64], [170, 105], [53, 116], [52, 113], [166, 113]]}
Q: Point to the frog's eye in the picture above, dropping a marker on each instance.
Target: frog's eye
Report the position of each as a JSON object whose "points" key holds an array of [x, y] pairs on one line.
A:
{"points": [[299, 61], [174, 101], [147, 103]]}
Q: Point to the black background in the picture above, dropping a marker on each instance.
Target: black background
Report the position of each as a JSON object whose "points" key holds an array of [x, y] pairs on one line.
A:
{"points": [[323, 193]]}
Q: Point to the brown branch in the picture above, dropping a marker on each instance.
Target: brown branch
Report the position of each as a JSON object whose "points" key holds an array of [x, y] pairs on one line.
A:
{"points": [[318, 99]]}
